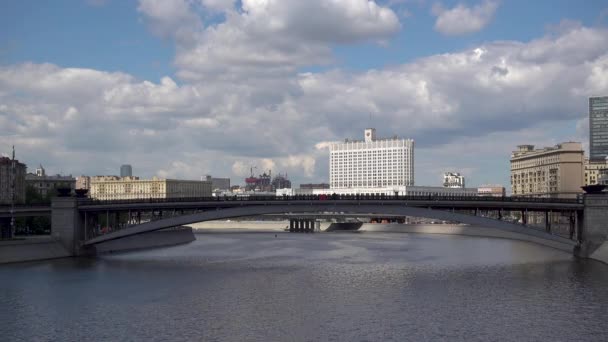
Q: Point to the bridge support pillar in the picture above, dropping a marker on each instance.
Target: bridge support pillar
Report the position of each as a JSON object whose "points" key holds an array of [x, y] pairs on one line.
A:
{"points": [[66, 224], [593, 227], [292, 225], [571, 225], [5, 228]]}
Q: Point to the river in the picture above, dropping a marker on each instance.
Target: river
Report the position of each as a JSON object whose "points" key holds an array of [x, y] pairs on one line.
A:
{"points": [[311, 287]]}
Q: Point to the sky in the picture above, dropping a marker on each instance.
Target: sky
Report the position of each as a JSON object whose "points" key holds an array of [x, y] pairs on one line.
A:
{"points": [[185, 88]]}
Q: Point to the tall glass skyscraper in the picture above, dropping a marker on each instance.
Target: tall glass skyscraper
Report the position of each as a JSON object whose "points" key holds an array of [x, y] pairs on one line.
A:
{"points": [[126, 170], [598, 128]]}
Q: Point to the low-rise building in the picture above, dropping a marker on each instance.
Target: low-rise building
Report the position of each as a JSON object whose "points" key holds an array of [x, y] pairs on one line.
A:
{"points": [[119, 188], [491, 190], [592, 170], [603, 177], [548, 172], [312, 186], [218, 183], [293, 192], [281, 182], [45, 185], [83, 182], [414, 190], [246, 193], [6, 181]]}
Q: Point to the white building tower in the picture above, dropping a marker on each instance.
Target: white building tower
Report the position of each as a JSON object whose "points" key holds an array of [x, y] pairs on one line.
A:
{"points": [[371, 163]]}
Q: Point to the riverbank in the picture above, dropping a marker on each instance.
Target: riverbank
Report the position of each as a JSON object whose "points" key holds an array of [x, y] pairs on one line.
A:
{"points": [[37, 248], [467, 230], [246, 226], [31, 248]]}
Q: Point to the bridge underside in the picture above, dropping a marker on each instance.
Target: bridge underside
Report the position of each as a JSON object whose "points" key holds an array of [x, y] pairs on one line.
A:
{"points": [[508, 230]]}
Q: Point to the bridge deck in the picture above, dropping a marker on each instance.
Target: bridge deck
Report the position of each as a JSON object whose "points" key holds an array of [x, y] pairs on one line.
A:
{"points": [[25, 211], [425, 203]]}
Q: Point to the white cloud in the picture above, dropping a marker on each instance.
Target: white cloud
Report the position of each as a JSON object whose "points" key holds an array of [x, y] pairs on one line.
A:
{"points": [[172, 19], [461, 19], [264, 37], [89, 121], [219, 5]]}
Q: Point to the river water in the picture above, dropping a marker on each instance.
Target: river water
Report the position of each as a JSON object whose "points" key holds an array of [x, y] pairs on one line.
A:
{"points": [[311, 287]]}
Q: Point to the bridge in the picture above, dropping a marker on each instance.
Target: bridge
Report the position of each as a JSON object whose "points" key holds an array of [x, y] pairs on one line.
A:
{"points": [[574, 224], [578, 224]]}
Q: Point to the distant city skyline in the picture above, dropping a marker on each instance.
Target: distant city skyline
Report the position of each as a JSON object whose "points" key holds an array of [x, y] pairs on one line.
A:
{"points": [[182, 89]]}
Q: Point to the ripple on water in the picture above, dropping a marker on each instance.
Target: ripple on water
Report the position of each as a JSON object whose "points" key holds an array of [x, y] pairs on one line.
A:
{"points": [[333, 287]]}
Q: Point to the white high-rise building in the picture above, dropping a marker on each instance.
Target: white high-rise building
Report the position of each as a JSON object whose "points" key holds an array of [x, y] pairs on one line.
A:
{"points": [[371, 163]]}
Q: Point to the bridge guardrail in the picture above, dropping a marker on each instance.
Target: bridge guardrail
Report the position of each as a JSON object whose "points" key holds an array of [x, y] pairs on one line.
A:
{"points": [[511, 199], [24, 207]]}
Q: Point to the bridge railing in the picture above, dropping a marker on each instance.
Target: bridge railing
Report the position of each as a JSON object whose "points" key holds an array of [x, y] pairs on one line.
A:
{"points": [[24, 206], [334, 197]]}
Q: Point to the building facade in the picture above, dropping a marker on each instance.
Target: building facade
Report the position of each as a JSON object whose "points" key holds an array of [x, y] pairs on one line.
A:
{"points": [[45, 185], [126, 170], [453, 180], [603, 177], [413, 190], [491, 190], [371, 163], [120, 188], [6, 181], [598, 128], [218, 183], [281, 182], [293, 192], [592, 170], [83, 182], [549, 172], [312, 186]]}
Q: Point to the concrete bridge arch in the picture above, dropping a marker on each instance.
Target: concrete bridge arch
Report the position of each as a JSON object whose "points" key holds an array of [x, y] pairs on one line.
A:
{"points": [[495, 228]]}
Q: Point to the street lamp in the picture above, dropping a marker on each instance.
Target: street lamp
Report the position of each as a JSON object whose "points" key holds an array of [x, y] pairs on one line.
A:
{"points": [[12, 231]]}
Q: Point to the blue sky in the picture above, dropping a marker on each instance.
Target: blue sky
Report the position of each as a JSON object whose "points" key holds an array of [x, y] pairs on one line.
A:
{"points": [[111, 35], [72, 33], [193, 78]]}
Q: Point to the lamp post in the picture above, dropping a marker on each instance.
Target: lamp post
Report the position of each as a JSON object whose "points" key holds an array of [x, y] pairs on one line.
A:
{"points": [[11, 234]]}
